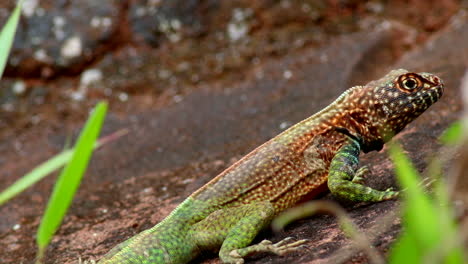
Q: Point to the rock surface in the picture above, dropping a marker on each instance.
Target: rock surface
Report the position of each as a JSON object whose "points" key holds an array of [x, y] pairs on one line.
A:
{"points": [[198, 86]]}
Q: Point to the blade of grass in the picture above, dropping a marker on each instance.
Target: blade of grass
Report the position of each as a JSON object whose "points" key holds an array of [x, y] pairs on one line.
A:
{"points": [[49, 166], [404, 250], [429, 229], [453, 134], [69, 180], [421, 220], [8, 35]]}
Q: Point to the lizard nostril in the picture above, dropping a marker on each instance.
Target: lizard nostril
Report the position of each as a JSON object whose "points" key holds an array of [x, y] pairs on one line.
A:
{"points": [[436, 80]]}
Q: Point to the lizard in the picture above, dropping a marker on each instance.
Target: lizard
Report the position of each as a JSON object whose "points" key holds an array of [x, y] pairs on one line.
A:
{"points": [[319, 153]]}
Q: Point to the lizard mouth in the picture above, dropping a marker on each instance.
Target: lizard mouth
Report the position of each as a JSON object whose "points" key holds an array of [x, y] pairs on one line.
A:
{"points": [[427, 98], [433, 88], [433, 94]]}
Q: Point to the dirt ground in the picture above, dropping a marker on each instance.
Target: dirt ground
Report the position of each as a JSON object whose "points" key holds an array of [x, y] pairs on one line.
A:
{"points": [[199, 84]]}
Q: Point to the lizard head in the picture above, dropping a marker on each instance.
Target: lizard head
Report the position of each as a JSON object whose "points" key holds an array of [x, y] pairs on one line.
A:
{"points": [[398, 98]]}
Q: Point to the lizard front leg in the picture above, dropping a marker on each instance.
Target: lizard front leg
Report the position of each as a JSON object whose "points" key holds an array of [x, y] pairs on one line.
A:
{"points": [[344, 179]]}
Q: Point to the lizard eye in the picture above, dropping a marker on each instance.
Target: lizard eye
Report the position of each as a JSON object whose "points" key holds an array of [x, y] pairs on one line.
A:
{"points": [[409, 82]]}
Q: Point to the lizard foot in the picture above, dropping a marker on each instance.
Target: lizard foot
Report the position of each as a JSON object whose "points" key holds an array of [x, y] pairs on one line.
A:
{"points": [[389, 194], [361, 174], [283, 247], [86, 261]]}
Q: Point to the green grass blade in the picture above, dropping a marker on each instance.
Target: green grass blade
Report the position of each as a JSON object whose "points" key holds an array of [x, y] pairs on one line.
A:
{"points": [[69, 179], [453, 134], [404, 250], [35, 175], [48, 167], [8, 35], [420, 216], [430, 235]]}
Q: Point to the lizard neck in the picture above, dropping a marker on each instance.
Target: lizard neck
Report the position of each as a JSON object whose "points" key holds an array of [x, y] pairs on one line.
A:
{"points": [[348, 115]]}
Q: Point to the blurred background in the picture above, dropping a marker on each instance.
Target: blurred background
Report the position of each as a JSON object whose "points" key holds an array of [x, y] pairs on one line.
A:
{"points": [[69, 54], [198, 84]]}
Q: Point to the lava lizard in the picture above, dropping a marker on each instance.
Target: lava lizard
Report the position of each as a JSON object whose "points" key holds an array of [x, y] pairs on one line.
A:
{"points": [[320, 152]]}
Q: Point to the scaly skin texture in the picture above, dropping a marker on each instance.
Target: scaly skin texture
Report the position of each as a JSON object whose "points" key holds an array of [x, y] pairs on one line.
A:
{"points": [[321, 151]]}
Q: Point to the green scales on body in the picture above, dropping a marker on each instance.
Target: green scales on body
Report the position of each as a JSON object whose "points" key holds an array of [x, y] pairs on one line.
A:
{"points": [[322, 151]]}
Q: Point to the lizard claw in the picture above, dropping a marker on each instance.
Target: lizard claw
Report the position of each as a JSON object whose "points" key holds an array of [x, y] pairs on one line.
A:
{"points": [[80, 261], [425, 184], [281, 248], [361, 174], [284, 246]]}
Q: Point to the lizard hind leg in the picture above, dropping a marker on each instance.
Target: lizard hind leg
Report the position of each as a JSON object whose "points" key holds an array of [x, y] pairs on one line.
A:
{"points": [[233, 229]]}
